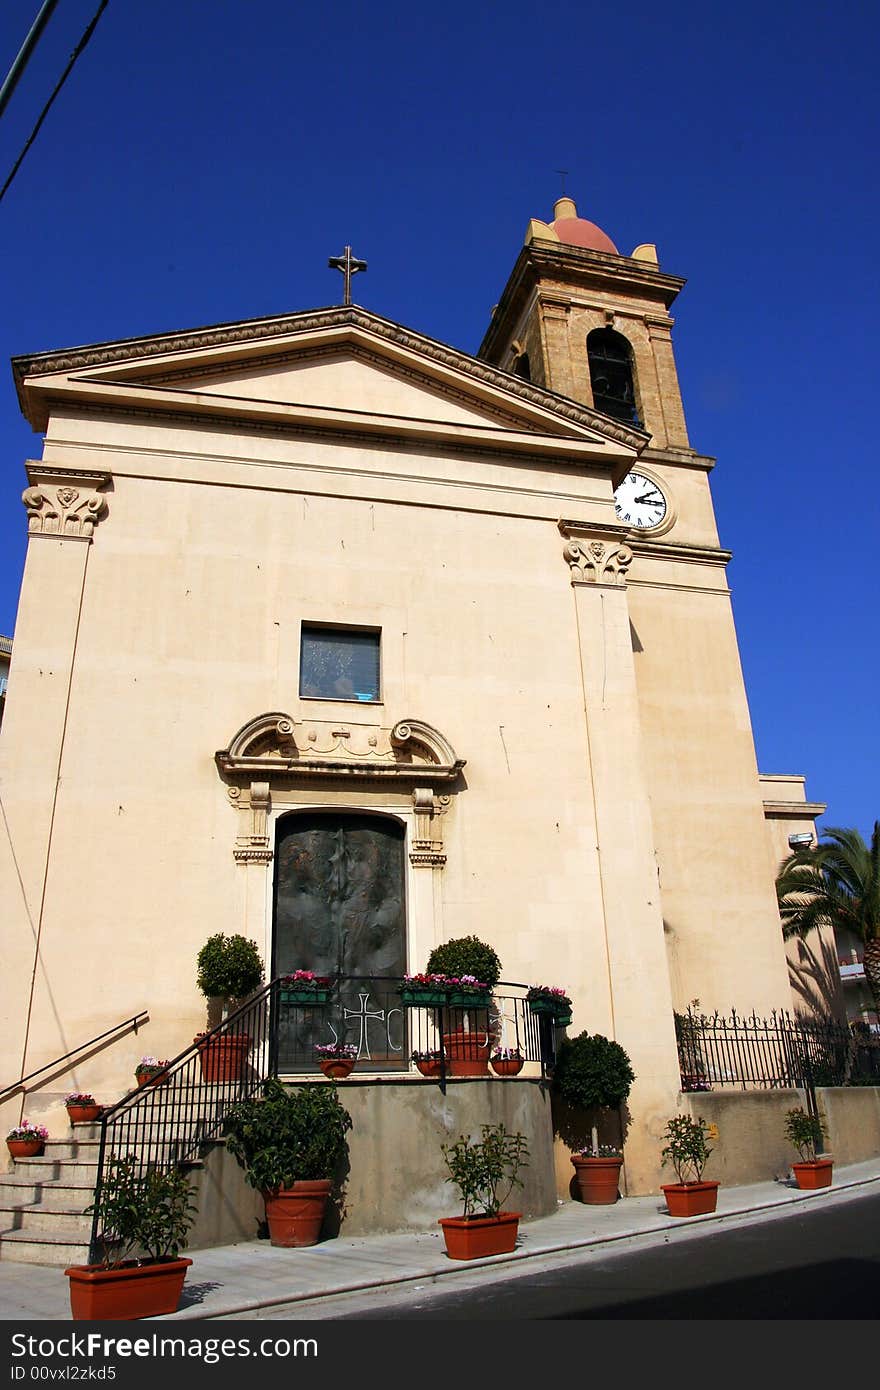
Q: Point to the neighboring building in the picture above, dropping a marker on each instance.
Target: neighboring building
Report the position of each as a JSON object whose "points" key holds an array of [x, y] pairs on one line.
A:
{"points": [[317, 584], [5, 658]]}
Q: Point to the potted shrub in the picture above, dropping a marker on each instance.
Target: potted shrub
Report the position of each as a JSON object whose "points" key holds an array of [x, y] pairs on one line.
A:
{"points": [[689, 1027], [229, 969], [428, 1063], [26, 1140], [687, 1151], [151, 1071], [472, 968], [81, 1107], [144, 1218], [594, 1073], [485, 1174], [807, 1134], [336, 1059], [506, 1061], [290, 1145]]}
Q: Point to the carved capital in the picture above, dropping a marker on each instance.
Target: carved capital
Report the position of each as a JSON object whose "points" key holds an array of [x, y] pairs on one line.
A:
{"points": [[596, 554], [427, 844], [67, 504]]}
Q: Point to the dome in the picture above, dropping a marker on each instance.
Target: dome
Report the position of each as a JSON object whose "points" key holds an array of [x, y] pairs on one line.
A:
{"points": [[577, 231]]}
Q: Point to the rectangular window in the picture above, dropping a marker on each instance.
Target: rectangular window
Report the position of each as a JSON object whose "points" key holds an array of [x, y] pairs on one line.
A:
{"points": [[339, 663]]}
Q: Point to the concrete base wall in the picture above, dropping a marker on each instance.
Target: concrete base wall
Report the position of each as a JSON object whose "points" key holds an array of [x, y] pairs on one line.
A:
{"points": [[396, 1179], [751, 1144]]}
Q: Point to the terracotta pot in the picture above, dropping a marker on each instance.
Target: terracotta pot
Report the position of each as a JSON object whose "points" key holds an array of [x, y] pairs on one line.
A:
{"points": [[813, 1174], [296, 1214], [24, 1148], [466, 1054], [597, 1179], [506, 1066], [151, 1078], [82, 1114], [431, 1068], [131, 1291], [223, 1058], [473, 1237], [337, 1068], [690, 1198]]}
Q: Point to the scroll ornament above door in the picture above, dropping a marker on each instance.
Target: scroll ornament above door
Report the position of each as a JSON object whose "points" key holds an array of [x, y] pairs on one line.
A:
{"points": [[277, 758]]}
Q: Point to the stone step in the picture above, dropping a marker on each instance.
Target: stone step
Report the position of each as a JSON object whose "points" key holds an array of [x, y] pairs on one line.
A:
{"points": [[22, 1187], [43, 1248], [57, 1170], [38, 1217]]}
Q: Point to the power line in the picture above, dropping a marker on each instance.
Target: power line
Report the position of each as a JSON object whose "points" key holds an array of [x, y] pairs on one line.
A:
{"points": [[90, 29], [25, 52]]}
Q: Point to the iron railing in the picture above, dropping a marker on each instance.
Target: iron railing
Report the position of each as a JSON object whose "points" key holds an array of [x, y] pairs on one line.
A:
{"points": [[132, 1023], [166, 1122], [779, 1051]]}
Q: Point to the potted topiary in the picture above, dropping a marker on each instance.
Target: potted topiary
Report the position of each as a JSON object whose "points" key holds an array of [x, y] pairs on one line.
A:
{"points": [[290, 1144], [807, 1134], [687, 1151], [145, 1211], [229, 969], [471, 968], [485, 1174], [594, 1073]]}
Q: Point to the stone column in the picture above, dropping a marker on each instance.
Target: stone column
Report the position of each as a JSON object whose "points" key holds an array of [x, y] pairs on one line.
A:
{"points": [[640, 993], [660, 335]]}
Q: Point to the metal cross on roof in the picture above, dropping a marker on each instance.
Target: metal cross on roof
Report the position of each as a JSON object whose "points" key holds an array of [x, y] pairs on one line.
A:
{"points": [[349, 266]]}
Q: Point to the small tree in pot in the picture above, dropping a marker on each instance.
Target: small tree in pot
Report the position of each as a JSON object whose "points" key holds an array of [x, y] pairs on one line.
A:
{"points": [[807, 1133], [475, 967], [687, 1150], [594, 1073], [485, 1174], [229, 969], [291, 1144]]}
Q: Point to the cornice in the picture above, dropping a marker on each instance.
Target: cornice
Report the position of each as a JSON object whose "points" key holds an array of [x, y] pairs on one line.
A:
{"points": [[794, 810], [31, 368], [670, 550]]}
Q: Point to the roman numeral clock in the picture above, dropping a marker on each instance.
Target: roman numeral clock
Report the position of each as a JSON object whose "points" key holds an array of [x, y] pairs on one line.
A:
{"points": [[641, 502]]}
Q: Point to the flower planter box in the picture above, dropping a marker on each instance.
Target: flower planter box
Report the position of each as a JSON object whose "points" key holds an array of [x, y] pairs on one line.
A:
{"points": [[82, 1114], [597, 1179], [130, 1291], [423, 998], [813, 1174], [337, 1068], [467, 1054], [691, 1198], [506, 1066], [296, 1214], [305, 996], [469, 999], [25, 1148], [560, 1013], [475, 1237]]}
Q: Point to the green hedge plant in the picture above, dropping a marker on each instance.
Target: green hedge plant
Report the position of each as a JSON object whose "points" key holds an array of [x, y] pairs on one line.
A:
{"points": [[486, 1172], [142, 1213], [229, 968], [806, 1132], [465, 955], [288, 1136]]}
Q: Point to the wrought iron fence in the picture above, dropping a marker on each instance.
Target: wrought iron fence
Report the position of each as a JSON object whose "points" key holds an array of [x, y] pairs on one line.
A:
{"points": [[780, 1051], [166, 1122]]}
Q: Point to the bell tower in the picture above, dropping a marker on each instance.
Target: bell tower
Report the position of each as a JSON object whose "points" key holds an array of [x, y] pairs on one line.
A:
{"points": [[579, 318]]}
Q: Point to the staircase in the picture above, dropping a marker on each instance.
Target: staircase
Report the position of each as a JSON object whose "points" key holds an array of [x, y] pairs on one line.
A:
{"points": [[43, 1199]]}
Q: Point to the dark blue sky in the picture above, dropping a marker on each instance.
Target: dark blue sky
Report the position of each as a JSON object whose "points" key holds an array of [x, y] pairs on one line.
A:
{"points": [[207, 156]]}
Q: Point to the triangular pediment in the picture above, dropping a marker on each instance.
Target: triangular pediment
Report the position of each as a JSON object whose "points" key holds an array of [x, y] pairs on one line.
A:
{"points": [[336, 369]]}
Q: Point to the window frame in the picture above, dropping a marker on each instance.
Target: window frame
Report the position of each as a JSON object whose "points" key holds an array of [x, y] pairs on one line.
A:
{"points": [[307, 626]]}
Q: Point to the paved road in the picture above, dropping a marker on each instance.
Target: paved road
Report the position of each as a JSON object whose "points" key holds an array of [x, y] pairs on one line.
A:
{"points": [[822, 1262]]}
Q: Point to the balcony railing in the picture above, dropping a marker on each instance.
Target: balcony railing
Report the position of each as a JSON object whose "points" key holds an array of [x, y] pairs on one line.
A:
{"points": [[779, 1051]]}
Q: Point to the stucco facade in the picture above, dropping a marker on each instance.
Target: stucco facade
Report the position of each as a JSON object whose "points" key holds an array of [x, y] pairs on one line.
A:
{"points": [[561, 726]]}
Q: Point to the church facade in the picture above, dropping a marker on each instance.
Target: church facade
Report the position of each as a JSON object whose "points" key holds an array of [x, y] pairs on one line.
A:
{"points": [[293, 581]]}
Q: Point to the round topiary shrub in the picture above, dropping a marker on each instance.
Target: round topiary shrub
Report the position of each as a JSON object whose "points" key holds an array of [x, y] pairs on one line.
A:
{"points": [[592, 1071], [230, 967], [466, 955]]}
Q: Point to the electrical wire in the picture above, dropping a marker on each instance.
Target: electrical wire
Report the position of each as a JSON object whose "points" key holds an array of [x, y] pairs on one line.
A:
{"points": [[90, 29]]}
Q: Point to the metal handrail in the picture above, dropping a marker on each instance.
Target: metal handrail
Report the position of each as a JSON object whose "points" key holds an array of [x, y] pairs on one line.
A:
{"points": [[129, 1022]]}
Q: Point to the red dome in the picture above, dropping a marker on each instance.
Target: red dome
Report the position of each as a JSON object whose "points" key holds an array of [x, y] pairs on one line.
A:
{"points": [[577, 231]]}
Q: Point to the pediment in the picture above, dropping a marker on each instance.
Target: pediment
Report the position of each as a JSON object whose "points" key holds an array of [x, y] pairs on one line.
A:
{"points": [[336, 369]]}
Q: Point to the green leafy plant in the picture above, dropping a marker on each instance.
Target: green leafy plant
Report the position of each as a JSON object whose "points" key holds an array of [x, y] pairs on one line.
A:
{"points": [[485, 1173], [465, 955], [288, 1136], [592, 1071], [686, 1148], [806, 1132], [229, 967], [147, 1213]]}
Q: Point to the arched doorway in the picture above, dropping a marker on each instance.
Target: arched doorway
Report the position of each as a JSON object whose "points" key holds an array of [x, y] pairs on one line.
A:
{"points": [[339, 908]]}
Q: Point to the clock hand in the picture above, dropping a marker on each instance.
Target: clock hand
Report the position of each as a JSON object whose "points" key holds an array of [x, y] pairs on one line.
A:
{"points": [[649, 497]]}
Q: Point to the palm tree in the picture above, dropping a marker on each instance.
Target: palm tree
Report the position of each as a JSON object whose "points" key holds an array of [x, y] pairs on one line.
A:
{"points": [[836, 883]]}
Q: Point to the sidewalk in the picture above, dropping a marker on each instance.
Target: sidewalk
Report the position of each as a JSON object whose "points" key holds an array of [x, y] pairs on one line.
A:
{"points": [[237, 1279]]}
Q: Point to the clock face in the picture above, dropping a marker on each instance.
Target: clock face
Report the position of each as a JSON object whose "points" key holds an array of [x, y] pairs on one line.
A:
{"points": [[639, 502]]}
